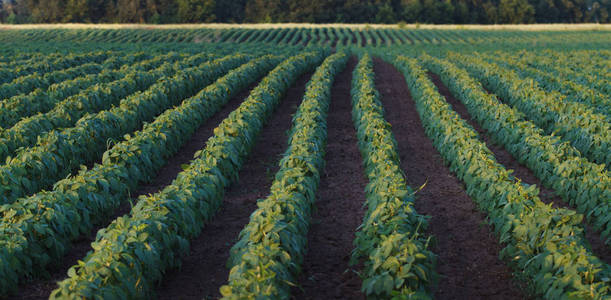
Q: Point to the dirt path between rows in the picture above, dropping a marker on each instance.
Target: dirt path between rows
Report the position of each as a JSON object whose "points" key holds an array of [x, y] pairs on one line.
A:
{"points": [[326, 273], [204, 269], [467, 249], [42, 288], [505, 158]]}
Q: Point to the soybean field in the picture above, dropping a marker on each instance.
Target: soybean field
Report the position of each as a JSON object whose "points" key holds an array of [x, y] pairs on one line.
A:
{"points": [[305, 162]]}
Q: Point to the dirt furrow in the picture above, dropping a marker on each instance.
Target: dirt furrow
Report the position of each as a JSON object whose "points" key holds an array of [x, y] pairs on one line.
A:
{"points": [[339, 206], [41, 288], [468, 262], [505, 158], [204, 269]]}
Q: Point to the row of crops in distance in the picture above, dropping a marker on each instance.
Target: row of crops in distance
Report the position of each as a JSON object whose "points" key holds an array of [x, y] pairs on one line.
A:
{"points": [[319, 36]]}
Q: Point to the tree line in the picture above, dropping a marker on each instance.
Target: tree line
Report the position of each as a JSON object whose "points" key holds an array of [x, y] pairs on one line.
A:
{"points": [[309, 11]]}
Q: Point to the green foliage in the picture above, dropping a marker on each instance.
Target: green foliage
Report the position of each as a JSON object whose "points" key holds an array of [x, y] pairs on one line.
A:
{"points": [[545, 244], [314, 11], [59, 152], [386, 15], [18, 104], [196, 10], [560, 166], [267, 257], [90, 197], [516, 12], [586, 129], [589, 92], [391, 240], [133, 252], [97, 97]]}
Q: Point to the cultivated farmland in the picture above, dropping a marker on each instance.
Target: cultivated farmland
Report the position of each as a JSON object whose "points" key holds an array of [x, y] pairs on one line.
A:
{"points": [[305, 162]]}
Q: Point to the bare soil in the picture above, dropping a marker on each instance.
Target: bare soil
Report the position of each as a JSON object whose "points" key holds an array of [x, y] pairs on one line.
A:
{"points": [[41, 288], [204, 269], [326, 273], [468, 262], [363, 38], [522, 172]]}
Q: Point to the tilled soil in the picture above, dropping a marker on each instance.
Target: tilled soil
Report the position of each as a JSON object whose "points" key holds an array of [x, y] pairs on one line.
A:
{"points": [[505, 158], [41, 288], [468, 262], [326, 273], [204, 269], [363, 38]]}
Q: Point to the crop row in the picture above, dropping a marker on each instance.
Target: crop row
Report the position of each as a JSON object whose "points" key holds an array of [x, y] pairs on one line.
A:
{"points": [[391, 240], [100, 96], [589, 61], [61, 151], [66, 113], [548, 61], [552, 82], [10, 73], [544, 244], [267, 257], [22, 58], [581, 183], [585, 129], [14, 109], [37, 230], [28, 83], [133, 252]]}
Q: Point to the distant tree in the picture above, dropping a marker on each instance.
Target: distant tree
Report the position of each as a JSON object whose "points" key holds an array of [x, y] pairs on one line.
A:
{"points": [[386, 15], [412, 11], [263, 11], [3, 12], [461, 12], [196, 11], [359, 11], [316, 11], [161, 11], [490, 13], [230, 11], [446, 11], [437, 12], [516, 12], [128, 11], [598, 11], [45, 11], [77, 11]]}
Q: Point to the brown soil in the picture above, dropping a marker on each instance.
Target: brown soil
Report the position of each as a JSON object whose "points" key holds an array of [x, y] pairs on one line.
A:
{"points": [[204, 269], [297, 40], [328, 41], [352, 37], [363, 38], [301, 40], [406, 38], [326, 273], [282, 35], [501, 155], [41, 288], [522, 172], [467, 249], [242, 39], [335, 41]]}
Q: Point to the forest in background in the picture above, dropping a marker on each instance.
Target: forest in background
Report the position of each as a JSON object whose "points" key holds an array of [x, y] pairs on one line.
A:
{"points": [[311, 11]]}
